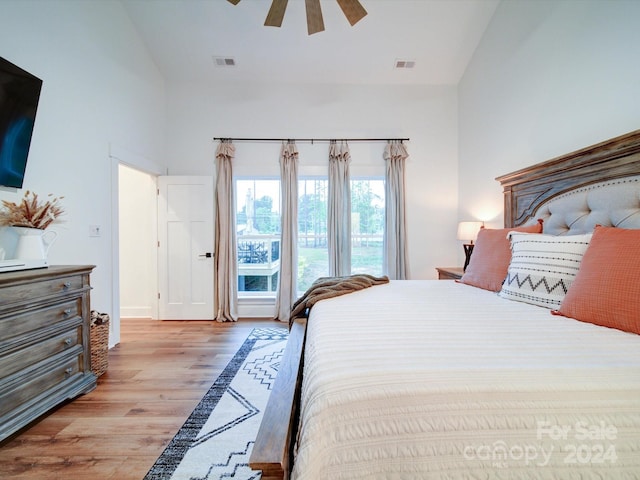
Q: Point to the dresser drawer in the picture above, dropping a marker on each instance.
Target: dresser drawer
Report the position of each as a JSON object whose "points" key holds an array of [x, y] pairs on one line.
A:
{"points": [[29, 321], [24, 357], [32, 292], [19, 390]]}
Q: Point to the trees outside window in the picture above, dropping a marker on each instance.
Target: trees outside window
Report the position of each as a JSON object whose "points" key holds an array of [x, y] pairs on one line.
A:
{"points": [[313, 260], [367, 228], [367, 225]]}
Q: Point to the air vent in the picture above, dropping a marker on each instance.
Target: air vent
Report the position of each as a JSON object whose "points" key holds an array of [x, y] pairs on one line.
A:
{"points": [[405, 64], [224, 61]]}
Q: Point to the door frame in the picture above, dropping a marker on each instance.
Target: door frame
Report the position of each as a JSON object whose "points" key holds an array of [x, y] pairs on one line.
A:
{"points": [[117, 156]]}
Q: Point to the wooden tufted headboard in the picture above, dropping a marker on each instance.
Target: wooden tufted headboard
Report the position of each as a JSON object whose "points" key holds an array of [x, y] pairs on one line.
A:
{"points": [[604, 181]]}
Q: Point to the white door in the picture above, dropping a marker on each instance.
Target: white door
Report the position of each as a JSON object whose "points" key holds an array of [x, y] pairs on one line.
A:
{"points": [[185, 248]]}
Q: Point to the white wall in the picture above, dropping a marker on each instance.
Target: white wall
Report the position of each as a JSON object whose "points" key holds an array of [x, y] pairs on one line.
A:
{"points": [[138, 236], [103, 102], [548, 77], [100, 89], [427, 115]]}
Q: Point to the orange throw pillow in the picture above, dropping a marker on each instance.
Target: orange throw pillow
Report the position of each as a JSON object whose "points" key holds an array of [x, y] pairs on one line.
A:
{"points": [[491, 257], [606, 290]]}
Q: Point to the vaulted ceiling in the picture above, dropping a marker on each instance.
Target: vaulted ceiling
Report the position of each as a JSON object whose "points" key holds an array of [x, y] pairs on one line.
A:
{"points": [[185, 37]]}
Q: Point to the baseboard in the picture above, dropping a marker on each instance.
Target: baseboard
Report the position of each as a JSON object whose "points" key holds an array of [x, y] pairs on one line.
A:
{"points": [[136, 312]]}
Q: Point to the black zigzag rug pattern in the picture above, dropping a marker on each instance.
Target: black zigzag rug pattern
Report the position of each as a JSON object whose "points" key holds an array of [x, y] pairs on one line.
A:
{"points": [[215, 442]]}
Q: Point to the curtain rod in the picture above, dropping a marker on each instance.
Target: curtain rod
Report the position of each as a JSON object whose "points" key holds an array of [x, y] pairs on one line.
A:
{"points": [[312, 140]]}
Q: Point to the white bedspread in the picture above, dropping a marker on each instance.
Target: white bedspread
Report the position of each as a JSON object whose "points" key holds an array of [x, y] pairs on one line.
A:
{"points": [[440, 380]]}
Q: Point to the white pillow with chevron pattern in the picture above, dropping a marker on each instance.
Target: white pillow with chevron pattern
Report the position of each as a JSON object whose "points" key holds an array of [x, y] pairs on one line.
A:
{"points": [[543, 267]]}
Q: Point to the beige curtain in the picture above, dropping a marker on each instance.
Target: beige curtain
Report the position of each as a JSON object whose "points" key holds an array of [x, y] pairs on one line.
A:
{"points": [[339, 210], [225, 258], [288, 276], [395, 236]]}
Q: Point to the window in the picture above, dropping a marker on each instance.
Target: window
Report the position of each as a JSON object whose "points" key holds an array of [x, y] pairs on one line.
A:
{"points": [[258, 236], [313, 256], [367, 228], [258, 231], [367, 225]]}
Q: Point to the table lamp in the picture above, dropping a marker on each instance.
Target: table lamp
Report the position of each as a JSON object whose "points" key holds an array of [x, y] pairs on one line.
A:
{"points": [[468, 232]]}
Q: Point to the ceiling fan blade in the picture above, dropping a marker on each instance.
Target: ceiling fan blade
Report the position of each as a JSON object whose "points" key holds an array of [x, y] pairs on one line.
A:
{"points": [[276, 13], [235, 2], [315, 23], [353, 10]]}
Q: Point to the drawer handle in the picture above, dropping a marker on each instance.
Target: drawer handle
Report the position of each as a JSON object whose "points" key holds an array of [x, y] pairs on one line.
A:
{"points": [[66, 285], [67, 312], [68, 341], [68, 371]]}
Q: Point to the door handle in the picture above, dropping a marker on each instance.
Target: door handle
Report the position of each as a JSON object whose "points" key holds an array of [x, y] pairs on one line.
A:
{"points": [[206, 255]]}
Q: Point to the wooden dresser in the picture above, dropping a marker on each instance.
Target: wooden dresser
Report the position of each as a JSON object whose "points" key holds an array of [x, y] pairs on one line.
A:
{"points": [[45, 355]]}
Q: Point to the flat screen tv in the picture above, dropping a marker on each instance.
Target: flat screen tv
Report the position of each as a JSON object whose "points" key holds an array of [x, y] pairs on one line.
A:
{"points": [[19, 95]]}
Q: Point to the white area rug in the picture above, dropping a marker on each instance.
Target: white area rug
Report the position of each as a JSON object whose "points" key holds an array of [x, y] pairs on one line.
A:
{"points": [[216, 440]]}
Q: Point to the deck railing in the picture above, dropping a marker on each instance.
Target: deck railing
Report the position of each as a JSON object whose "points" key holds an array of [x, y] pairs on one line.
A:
{"points": [[258, 256]]}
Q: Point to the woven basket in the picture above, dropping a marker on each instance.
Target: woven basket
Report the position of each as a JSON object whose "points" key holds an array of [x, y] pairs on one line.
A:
{"points": [[99, 342]]}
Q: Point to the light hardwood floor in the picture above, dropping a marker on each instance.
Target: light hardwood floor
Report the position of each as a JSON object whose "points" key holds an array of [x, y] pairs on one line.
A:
{"points": [[156, 376]]}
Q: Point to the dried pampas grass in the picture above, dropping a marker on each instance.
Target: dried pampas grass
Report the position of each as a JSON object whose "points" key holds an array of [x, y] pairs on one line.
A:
{"points": [[30, 212]]}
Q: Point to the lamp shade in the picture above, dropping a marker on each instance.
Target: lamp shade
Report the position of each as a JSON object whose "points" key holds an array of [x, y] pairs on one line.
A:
{"points": [[468, 231]]}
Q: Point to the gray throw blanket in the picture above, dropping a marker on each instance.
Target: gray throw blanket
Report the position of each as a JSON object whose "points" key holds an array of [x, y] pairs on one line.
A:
{"points": [[328, 287]]}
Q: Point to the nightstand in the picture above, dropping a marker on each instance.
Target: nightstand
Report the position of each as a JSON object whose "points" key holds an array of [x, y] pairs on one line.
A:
{"points": [[449, 273]]}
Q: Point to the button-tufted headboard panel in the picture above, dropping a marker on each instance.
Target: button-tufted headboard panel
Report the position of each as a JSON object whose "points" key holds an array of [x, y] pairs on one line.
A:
{"points": [[573, 193], [614, 203]]}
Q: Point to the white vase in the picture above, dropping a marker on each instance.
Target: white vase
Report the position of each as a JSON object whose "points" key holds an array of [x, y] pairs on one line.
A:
{"points": [[33, 243]]}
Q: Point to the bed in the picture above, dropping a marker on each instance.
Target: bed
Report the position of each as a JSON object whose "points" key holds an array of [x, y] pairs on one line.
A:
{"points": [[442, 379]]}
